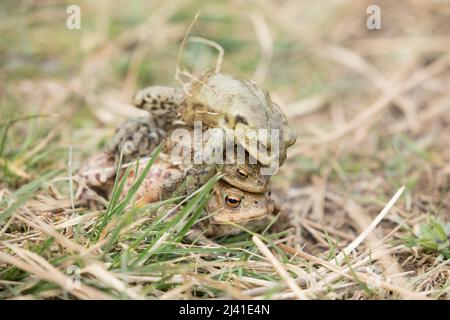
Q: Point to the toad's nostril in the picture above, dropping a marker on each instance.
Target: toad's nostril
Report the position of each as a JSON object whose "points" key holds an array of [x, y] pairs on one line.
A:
{"points": [[256, 202]]}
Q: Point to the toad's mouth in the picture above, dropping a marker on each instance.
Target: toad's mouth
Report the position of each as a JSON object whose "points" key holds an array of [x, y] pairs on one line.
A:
{"points": [[227, 216]]}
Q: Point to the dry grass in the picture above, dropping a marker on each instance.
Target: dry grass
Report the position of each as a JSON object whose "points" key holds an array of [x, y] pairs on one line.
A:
{"points": [[372, 110]]}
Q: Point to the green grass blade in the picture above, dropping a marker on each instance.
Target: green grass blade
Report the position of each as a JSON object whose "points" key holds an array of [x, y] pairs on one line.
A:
{"points": [[24, 194], [114, 209]]}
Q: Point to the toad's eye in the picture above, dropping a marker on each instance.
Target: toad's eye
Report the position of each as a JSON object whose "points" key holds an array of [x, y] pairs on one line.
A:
{"points": [[232, 201], [242, 174]]}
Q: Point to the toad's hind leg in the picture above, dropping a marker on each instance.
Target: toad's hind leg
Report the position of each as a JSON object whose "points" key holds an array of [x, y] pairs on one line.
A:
{"points": [[95, 178], [137, 138], [161, 102]]}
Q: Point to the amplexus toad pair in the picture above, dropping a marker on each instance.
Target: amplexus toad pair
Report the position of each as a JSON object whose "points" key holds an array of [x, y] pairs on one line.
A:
{"points": [[221, 103]]}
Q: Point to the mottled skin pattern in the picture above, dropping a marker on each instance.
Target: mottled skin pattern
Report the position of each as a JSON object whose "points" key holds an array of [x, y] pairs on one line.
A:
{"points": [[227, 102], [245, 176], [159, 184], [162, 103], [136, 137], [98, 170], [99, 173], [96, 177]]}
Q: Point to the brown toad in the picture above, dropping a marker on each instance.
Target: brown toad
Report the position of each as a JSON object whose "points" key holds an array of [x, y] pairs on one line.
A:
{"points": [[138, 138], [240, 171], [227, 209], [227, 102]]}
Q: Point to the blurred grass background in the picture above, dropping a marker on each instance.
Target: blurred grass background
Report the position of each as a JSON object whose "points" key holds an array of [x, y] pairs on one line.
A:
{"points": [[371, 107]]}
